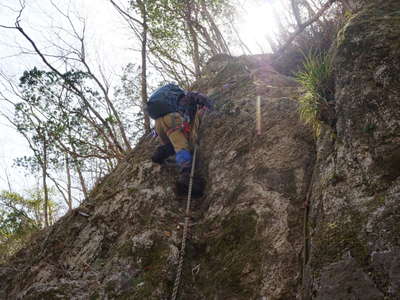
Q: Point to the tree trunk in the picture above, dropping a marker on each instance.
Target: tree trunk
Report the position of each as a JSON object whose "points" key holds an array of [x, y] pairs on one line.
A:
{"points": [[242, 45], [44, 177], [80, 175], [296, 12], [310, 10], [193, 36], [69, 190], [81, 180], [146, 122], [214, 28]]}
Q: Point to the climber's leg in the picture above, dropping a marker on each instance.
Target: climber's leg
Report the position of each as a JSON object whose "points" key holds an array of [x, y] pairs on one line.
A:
{"points": [[169, 129], [172, 126], [166, 149]]}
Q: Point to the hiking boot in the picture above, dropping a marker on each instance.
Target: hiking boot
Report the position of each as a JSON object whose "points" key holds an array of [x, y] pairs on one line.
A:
{"points": [[162, 153], [182, 185], [170, 162]]}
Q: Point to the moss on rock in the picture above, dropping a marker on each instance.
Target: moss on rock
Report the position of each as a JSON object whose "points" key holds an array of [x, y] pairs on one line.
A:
{"points": [[342, 235], [231, 258]]}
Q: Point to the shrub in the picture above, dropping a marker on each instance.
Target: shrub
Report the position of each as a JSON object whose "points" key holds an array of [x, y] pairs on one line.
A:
{"points": [[318, 82], [317, 38]]}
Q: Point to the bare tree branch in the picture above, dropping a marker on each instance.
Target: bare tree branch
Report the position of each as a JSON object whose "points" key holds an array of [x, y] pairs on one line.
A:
{"points": [[304, 26], [73, 87], [296, 12], [122, 12]]}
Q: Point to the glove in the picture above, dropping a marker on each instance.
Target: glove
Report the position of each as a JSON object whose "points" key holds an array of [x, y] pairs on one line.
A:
{"points": [[205, 102], [199, 99], [203, 110]]}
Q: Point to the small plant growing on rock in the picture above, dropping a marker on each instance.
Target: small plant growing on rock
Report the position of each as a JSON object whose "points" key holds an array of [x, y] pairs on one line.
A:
{"points": [[318, 82]]}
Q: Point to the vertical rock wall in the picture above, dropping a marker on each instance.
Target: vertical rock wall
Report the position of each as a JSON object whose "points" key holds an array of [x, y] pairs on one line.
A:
{"points": [[250, 241], [355, 215]]}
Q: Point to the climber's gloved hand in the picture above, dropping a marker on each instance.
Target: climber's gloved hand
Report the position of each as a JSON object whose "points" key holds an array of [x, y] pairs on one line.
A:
{"points": [[206, 104], [204, 108], [202, 111]]}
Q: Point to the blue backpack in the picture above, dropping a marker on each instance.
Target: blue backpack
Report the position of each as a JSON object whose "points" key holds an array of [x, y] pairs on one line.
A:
{"points": [[164, 100]]}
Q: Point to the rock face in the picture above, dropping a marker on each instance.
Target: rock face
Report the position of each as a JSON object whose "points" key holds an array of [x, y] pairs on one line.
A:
{"points": [[355, 204], [246, 238]]}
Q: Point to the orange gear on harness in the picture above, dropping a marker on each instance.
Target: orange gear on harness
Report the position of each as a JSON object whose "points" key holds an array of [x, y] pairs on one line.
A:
{"points": [[186, 128]]}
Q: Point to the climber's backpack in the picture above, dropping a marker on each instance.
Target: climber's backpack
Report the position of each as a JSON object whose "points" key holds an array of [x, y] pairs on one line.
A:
{"points": [[164, 100]]}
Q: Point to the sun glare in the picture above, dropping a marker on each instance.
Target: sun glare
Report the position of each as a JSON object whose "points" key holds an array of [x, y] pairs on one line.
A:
{"points": [[257, 23]]}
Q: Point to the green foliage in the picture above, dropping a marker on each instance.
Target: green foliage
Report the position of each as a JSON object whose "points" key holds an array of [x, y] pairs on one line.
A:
{"points": [[20, 217], [44, 114], [57, 123], [318, 83], [173, 25], [128, 100]]}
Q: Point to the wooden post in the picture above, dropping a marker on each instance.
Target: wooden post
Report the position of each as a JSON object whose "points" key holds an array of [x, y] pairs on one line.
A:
{"points": [[258, 115]]}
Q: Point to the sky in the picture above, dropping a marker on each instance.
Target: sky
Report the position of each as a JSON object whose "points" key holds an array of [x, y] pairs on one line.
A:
{"points": [[107, 36], [111, 49]]}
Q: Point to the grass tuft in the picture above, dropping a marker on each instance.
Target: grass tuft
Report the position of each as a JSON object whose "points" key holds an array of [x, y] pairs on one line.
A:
{"points": [[318, 83]]}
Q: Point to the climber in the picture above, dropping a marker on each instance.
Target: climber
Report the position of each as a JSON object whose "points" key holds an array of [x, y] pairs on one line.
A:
{"points": [[173, 109]]}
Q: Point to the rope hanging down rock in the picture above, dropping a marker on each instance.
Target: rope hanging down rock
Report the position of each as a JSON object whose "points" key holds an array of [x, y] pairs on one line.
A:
{"points": [[195, 139], [185, 229]]}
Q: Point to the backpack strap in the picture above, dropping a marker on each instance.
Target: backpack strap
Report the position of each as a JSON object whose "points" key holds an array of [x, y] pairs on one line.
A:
{"points": [[185, 127], [173, 129], [174, 126]]}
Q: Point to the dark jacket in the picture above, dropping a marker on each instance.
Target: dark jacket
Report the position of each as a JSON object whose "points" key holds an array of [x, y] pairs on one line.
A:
{"points": [[189, 103]]}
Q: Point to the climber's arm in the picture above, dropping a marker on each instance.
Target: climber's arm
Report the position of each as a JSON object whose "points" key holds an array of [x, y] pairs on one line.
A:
{"points": [[195, 98]]}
